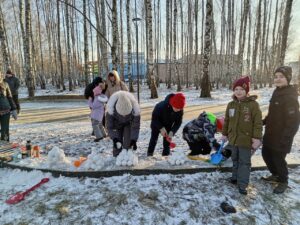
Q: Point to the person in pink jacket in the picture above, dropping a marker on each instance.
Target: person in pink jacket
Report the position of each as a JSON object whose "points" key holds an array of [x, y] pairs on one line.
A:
{"points": [[97, 107]]}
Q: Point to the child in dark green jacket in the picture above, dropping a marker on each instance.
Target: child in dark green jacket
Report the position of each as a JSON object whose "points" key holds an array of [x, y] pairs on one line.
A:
{"points": [[243, 129]]}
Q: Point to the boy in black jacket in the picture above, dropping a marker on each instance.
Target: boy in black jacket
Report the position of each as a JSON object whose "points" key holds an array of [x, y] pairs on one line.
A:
{"points": [[166, 120], [281, 125]]}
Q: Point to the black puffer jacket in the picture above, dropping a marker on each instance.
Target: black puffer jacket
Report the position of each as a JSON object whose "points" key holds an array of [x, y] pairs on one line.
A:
{"points": [[164, 116], [13, 83], [6, 102], [282, 121]]}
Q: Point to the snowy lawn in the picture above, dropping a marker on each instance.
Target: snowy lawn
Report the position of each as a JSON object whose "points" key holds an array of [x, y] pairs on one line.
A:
{"points": [[155, 199], [161, 199]]}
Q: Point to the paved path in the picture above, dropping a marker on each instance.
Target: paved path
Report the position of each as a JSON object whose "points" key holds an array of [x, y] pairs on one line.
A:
{"points": [[71, 114]]}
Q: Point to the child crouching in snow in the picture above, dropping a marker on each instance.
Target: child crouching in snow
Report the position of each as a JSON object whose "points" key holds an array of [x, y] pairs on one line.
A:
{"points": [[123, 121], [200, 134], [166, 120], [243, 128], [97, 107]]}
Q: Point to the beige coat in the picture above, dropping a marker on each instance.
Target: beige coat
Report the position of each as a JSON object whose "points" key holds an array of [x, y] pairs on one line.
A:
{"points": [[115, 86]]}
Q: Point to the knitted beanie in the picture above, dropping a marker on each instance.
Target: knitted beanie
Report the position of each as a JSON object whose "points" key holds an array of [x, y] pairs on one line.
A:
{"points": [[286, 71], [243, 82], [177, 100], [124, 105]]}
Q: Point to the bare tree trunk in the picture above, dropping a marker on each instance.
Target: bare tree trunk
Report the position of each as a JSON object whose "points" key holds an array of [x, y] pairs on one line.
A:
{"points": [[122, 42], [42, 70], [62, 84], [68, 49], [27, 52], [4, 48], [175, 45], [168, 41], [242, 35], [115, 59], [285, 30], [256, 43], [196, 45], [129, 49], [150, 60], [205, 83], [190, 35], [103, 43]]}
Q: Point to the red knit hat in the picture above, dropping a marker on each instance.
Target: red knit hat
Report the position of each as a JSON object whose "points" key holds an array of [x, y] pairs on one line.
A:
{"points": [[177, 100], [243, 82]]}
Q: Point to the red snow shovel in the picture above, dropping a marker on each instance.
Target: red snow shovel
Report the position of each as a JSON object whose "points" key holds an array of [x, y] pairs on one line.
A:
{"points": [[172, 144], [21, 195]]}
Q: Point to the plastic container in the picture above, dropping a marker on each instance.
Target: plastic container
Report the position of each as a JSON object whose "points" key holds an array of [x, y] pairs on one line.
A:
{"points": [[36, 151], [28, 148]]}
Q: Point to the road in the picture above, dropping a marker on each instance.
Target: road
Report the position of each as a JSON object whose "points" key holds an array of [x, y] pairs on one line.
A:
{"points": [[72, 114]]}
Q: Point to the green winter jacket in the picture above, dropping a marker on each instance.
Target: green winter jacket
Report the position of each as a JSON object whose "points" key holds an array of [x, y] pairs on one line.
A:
{"points": [[243, 121]]}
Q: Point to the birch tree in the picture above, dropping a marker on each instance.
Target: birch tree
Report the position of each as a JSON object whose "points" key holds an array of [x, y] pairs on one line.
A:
{"points": [[4, 48], [150, 60], [205, 83], [129, 48]]}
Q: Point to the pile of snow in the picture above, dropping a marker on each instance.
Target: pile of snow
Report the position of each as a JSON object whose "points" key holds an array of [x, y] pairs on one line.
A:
{"points": [[94, 160], [56, 156], [127, 158], [177, 158]]}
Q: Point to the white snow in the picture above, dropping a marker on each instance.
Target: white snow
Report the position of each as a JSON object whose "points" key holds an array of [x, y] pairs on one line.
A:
{"points": [[127, 158], [154, 199], [177, 158]]}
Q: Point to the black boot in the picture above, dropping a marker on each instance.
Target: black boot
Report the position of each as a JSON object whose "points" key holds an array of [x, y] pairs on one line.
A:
{"points": [[272, 179], [280, 188]]}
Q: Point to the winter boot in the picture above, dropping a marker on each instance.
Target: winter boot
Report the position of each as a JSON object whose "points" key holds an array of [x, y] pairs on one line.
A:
{"points": [[232, 180], [272, 179], [280, 188], [243, 191], [98, 139]]}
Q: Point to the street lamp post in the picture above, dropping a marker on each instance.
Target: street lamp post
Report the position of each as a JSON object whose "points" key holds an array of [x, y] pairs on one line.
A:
{"points": [[136, 20]]}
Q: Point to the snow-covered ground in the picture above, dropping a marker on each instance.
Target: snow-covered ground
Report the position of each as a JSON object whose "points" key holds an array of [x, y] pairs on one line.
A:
{"points": [[155, 199]]}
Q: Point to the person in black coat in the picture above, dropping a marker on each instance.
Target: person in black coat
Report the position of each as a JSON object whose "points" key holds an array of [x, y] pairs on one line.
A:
{"points": [[14, 85], [166, 120], [281, 125]]}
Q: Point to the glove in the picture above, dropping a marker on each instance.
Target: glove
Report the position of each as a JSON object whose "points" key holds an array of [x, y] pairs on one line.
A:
{"points": [[133, 145], [224, 138], [117, 144], [216, 145], [255, 143], [14, 114], [163, 132], [171, 135]]}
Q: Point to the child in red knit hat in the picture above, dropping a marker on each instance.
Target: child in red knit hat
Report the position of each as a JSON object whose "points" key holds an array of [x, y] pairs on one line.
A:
{"points": [[166, 120]]}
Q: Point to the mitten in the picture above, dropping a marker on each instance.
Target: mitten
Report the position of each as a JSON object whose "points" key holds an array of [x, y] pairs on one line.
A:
{"points": [[117, 144], [163, 132], [14, 114], [133, 144], [224, 138]]}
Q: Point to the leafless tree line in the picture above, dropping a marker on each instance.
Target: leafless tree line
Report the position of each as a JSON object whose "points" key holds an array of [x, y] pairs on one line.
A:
{"points": [[201, 42]]}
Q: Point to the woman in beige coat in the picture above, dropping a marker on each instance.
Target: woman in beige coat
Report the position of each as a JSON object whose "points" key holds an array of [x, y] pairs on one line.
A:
{"points": [[114, 83]]}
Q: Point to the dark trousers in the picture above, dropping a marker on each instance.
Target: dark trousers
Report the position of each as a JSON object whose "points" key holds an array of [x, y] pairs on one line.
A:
{"points": [[276, 163], [199, 147], [4, 120], [16, 101], [153, 141]]}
